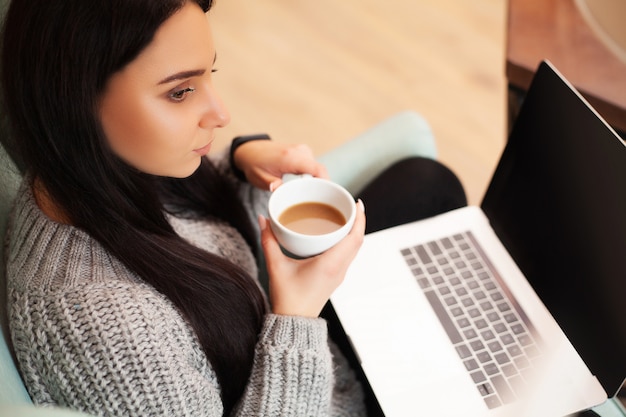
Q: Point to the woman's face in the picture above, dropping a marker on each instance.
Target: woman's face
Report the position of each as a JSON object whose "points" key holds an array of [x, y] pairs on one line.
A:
{"points": [[160, 112]]}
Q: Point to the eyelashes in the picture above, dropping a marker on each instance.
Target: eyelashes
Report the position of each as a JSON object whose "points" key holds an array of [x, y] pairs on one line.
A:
{"points": [[180, 95]]}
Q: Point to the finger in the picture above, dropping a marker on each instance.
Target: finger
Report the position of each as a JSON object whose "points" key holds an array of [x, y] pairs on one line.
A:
{"points": [[263, 179], [269, 243], [322, 172]]}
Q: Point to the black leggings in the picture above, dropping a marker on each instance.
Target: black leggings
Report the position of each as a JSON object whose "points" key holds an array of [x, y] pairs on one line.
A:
{"points": [[410, 190]]}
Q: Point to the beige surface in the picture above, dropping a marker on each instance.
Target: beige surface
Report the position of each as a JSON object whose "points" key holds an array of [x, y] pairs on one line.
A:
{"points": [[320, 72]]}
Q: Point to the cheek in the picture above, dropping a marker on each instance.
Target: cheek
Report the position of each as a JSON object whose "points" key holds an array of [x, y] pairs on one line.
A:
{"points": [[146, 136]]}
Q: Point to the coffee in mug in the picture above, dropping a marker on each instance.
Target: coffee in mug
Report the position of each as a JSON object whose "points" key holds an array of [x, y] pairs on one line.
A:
{"points": [[312, 218]]}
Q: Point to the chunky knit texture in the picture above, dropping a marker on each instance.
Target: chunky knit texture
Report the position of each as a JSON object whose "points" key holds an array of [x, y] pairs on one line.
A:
{"points": [[90, 335]]}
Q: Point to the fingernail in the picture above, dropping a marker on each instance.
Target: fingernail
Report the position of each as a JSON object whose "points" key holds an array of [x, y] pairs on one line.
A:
{"points": [[262, 222], [361, 205]]}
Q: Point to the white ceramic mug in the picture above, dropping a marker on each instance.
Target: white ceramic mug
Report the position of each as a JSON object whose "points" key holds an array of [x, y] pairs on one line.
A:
{"points": [[304, 190]]}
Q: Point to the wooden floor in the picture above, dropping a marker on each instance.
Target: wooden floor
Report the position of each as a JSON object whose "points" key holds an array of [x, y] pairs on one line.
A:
{"points": [[322, 72]]}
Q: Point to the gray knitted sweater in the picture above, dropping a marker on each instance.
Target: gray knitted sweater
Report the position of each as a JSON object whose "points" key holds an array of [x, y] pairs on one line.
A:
{"points": [[90, 335]]}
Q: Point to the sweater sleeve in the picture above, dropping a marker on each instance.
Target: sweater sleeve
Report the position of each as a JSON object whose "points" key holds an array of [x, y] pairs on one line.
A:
{"points": [[124, 351], [292, 374]]}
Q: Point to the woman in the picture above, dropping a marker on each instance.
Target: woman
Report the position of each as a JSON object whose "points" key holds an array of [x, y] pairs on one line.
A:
{"points": [[130, 253]]}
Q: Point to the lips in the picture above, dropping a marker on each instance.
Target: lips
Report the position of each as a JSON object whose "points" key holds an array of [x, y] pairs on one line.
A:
{"points": [[204, 150]]}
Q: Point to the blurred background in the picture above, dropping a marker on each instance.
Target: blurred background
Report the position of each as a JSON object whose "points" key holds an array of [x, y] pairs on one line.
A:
{"points": [[321, 72]]}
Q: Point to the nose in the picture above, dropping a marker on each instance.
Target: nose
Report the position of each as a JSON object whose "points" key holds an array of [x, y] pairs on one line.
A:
{"points": [[215, 114]]}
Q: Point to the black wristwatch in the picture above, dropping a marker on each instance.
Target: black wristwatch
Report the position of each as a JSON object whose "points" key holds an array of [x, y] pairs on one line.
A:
{"points": [[237, 142]]}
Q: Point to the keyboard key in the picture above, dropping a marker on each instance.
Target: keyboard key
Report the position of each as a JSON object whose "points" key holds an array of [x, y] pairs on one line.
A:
{"points": [[518, 329], [477, 345], [499, 327], [471, 364], [492, 401], [485, 389], [490, 286], [521, 362], [525, 340], [493, 316], [497, 296], [510, 318], [483, 357], [450, 301], [487, 335], [507, 339], [509, 369], [504, 307], [438, 280], [443, 290], [484, 276], [456, 311], [472, 285], [423, 255], [444, 319], [478, 376], [495, 346], [470, 334], [463, 322], [434, 248], [479, 295], [514, 350], [518, 384], [531, 351], [503, 389], [463, 351], [480, 324], [491, 368], [502, 358], [467, 302], [486, 305], [423, 283]]}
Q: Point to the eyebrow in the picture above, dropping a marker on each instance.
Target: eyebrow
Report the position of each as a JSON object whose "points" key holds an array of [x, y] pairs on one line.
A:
{"points": [[181, 76], [185, 74]]}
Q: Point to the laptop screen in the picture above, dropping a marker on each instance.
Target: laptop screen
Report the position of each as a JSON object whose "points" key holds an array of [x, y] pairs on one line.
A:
{"points": [[558, 203]]}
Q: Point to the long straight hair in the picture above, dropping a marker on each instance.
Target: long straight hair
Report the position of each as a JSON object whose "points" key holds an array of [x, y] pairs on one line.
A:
{"points": [[57, 57]]}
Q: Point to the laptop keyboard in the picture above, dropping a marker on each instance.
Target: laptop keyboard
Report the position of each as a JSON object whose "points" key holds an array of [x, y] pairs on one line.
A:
{"points": [[490, 332]]}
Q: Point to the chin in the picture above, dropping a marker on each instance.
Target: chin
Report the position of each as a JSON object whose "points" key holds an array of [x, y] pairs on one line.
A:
{"points": [[185, 172]]}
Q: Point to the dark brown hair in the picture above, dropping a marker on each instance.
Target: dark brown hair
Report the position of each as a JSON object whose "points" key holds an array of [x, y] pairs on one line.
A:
{"points": [[57, 57]]}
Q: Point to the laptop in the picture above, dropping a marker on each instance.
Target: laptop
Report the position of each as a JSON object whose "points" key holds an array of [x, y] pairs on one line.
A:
{"points": [[513, 308]]}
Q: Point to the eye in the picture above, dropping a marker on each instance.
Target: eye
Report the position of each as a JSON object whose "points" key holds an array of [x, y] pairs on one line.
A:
{"points": [[180, 95]]}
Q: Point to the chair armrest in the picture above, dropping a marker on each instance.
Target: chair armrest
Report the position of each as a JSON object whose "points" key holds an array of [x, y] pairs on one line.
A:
{"points": [[356, 162]]}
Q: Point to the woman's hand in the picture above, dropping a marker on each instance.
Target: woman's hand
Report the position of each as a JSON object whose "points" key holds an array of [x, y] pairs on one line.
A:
{"points": [[302, 287], [264, 162]]}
